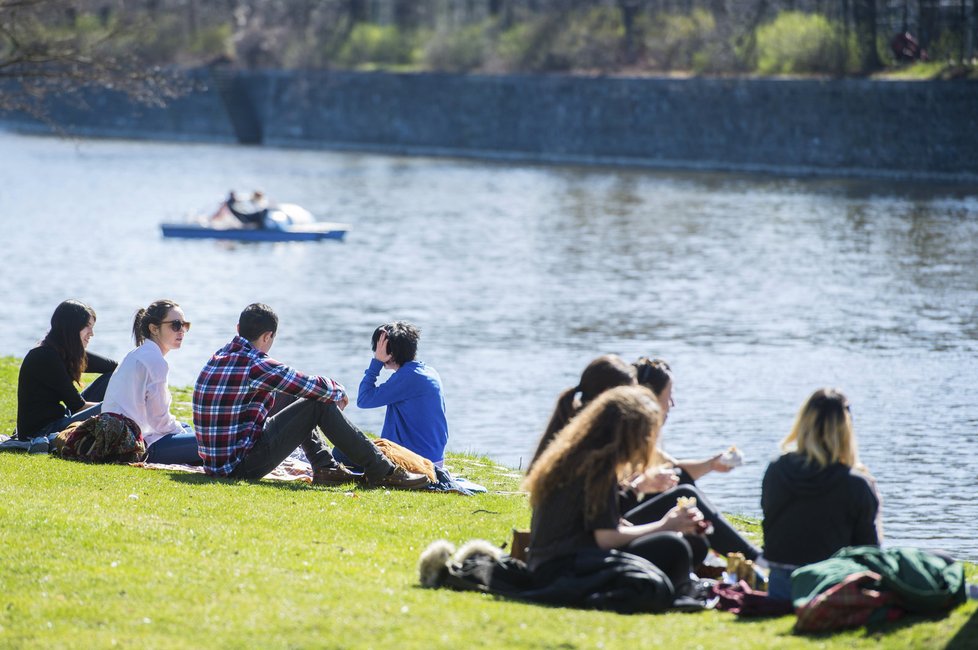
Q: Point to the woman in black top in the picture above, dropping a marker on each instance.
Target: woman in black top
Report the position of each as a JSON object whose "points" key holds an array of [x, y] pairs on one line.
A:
{"points": [[573, 488], [650, 496], [817, 497], [47, 393]]}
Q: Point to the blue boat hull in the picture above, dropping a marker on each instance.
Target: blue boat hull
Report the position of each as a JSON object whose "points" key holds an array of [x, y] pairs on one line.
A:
{"points": [[311, 232]]}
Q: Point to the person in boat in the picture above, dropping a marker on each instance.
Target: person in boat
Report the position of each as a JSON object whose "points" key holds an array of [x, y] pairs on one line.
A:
{"points": [[817, 497], [139, 387], [413, 395], [573, 490], [648, 496], [48, 399], [249, 213], [237, 438]]}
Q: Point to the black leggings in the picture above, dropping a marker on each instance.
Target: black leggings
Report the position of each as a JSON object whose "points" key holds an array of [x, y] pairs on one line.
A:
{"points": [[670, 552], [724, 538]]}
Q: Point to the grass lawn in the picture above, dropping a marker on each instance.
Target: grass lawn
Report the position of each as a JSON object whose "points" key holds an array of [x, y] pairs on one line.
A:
{"points": [[98, 556]]}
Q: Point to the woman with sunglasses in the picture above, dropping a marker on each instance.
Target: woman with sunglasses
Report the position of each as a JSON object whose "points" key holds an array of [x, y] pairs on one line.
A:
{"points": [[649, 496], [48, 399], [817, 497], [139, 389]]}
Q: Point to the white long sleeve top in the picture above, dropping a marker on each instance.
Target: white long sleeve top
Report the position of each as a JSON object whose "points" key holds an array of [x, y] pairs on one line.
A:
{"points": [[138, 389]]}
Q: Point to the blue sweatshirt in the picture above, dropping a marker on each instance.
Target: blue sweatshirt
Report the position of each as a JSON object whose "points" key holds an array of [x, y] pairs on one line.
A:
{"points": [[415, 416]]}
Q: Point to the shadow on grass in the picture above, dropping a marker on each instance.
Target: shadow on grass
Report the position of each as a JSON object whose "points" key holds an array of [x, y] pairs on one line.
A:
{"points": [[202, 479], [967, 636]]}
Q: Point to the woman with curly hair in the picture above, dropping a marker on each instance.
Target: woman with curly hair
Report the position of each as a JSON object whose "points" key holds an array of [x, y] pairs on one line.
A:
{"points": [[574, 483]]}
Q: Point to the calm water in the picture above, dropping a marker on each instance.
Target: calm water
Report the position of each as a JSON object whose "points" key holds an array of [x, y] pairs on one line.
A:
{"points": [[756, 290]]}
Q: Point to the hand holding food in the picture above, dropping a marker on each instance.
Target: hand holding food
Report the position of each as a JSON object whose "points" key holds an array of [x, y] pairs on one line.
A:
{"points": [[732, 458]]}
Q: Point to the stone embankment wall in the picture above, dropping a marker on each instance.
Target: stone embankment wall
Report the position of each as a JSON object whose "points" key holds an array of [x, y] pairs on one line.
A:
{"points": [[925, 130]]}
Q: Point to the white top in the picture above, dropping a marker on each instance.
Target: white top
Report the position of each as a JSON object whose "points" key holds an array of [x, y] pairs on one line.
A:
{"points": [[138, 389]]}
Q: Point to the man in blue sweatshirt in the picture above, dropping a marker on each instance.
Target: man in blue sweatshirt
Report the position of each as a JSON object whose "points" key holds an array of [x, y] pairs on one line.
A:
{"points": [[415, 416]]}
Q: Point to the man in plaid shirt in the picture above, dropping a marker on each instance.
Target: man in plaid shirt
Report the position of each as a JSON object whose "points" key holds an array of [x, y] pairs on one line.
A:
{"points": [[235, 393]]}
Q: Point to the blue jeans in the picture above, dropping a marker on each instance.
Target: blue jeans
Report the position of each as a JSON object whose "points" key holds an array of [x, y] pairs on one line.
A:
{"points": [[779, 584], [175, 449]]}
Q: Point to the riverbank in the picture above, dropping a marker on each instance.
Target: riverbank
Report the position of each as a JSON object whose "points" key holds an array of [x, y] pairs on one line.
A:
{"points": [[924, 130], [126, 556]]}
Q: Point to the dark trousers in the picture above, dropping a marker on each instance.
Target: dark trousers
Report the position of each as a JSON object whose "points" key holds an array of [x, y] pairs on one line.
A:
{"points": [[295, 426], [668, 551], [724, 538]]}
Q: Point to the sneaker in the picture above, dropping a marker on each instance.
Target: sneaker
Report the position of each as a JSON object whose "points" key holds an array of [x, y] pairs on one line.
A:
{"points": [[336, 475], [402, 479], [39, 445], [15, 445]]}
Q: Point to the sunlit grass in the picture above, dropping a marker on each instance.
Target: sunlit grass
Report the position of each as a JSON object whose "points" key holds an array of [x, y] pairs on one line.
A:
{"points": [[98, 555]]}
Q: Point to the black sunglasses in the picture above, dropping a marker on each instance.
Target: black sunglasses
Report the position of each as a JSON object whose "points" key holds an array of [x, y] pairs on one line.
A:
{"points": [[177, 325]]}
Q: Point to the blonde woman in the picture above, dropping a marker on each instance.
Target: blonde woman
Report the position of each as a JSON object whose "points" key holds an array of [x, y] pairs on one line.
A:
{"points": [[817, 497], [573, 489]]}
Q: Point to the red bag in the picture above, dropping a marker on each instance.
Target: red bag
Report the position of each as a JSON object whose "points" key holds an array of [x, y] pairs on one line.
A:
{"points": [[851, 603], [742, 600]]}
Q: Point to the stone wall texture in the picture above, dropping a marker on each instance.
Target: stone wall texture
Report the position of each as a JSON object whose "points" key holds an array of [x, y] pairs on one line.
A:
{"points": [[926, 130]]}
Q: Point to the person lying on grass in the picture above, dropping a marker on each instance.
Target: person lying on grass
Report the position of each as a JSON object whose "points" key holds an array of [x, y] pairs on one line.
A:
{"points": [[235, 393]]}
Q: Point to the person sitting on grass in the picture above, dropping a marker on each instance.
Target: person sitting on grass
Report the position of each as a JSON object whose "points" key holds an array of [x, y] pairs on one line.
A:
{"points": [[47, 397], [573, 487], [235, 435], [603, 373], [415, 417], [649, 496], [607, 372], [139, 387], [817, 497]]}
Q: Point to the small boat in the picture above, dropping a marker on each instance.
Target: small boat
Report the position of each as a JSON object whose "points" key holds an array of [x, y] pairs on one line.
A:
{"points": [[286, 222]]}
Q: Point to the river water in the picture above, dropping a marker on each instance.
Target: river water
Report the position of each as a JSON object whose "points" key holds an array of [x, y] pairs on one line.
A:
{"points": [[756, 290]]}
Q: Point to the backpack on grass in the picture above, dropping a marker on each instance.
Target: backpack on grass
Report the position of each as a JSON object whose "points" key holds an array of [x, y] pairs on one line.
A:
{"points": [[104, 438]]}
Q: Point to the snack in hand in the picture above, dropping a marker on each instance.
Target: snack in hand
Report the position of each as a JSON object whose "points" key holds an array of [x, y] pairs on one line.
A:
{"points": [[686, 502], [732, 457]]}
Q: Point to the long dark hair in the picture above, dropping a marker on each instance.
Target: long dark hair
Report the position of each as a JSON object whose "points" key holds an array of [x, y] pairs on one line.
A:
{"points": [[605, 372], [67, 322], [615, 434], [155, 314], [653, 373]]}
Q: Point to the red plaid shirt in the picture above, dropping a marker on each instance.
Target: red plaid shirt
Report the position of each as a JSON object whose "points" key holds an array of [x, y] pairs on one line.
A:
{"points": [[232, 398]]}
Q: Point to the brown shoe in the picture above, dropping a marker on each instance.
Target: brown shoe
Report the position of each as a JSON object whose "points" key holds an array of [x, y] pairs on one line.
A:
{"points": [[402, 479], [337, 475]]}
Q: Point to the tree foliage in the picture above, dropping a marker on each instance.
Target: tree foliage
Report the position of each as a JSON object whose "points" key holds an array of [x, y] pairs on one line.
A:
{"points": [[60, 47]]}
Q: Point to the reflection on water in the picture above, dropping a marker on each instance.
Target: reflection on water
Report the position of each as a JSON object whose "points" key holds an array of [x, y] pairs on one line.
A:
{"points": [[756, 290]]}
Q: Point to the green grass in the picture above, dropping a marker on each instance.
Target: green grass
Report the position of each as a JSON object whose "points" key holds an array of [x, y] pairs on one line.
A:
{"points": [[96, 556], [929, 71]]}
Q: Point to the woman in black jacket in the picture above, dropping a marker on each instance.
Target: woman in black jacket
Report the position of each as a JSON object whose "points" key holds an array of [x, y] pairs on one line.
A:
{"points": [[47, 387], [817, 497]]}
